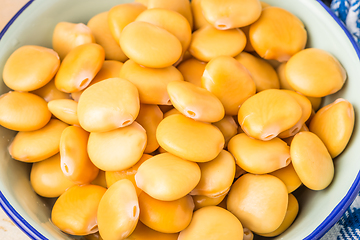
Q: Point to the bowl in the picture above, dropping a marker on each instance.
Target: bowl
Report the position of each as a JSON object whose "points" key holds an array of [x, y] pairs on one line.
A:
{"points": [[319, 210]]}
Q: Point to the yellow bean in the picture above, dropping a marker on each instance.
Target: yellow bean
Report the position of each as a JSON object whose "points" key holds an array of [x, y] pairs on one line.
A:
{"points": [[230, 14], [315, 73], [306, 109], [248, 235], [334, 125], [277, 34], [108, 105], [213, 223], [172, 112], [150, 82], [109, 69], [121, 15], [180, 6], [201, 201], [288, 140], [149, 118], [47, 178], [118, 211], [190, 139], [166, 216], [129, 174], [228, 127], [199, 19], [21, 111], [291, 213], [154, 46], [311, 160], [100, 180], [216, 176], [265, 202], [195, 102], [99, 27], [166, 177], [222, 72], [79, 67], [257, 156], [118, 149], [268, 113], [35, 146], [30, 68], [75, 162], [262, 73], [192, 70], [171, 21], [50, 92], [67, 36], [65, 110], [284, 84], [142, 232], [289, 177], [208, 43], [75, 211]]}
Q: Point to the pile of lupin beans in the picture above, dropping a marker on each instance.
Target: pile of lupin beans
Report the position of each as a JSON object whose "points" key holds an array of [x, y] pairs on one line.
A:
{"points": [[175, 120]]}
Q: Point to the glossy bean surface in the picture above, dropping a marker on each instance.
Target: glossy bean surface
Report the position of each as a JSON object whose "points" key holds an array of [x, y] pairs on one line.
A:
{"points": [[75, 162], [30, 67], [257, 156], [189, 139], [213, 223], [315, 73], [195, 102], [311, 160], [268, 113], [154, 46], [47, 178], [118, 149], [67, 36], [22, 111], [270, 205], [277, 34], [75, 211], [222, 72], [79, 67], [108, 105], [151, 82], [166, 216], [166, 177], [208, 43], [334, 125], [118, 211], [35, 146]]}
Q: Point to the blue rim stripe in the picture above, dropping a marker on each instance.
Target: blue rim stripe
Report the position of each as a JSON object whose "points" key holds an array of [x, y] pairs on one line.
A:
{"points": [[316, 234], [344, 204], [337, 212], [19, 220], [14, 18]]}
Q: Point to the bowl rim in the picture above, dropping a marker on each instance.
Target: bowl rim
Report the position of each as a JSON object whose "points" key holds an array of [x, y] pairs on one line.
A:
{"points": [[325, 225]]}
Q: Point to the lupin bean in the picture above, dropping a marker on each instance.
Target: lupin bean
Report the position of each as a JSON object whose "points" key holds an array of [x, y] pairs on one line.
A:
{"points": [[334, 124], [30, 68]]}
